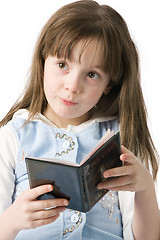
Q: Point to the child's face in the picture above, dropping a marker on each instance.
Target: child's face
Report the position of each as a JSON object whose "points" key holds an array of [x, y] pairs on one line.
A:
{"points": [[73, 87]]}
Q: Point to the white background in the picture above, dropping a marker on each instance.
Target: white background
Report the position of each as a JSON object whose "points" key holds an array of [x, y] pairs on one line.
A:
{"points": [[21, 22]]}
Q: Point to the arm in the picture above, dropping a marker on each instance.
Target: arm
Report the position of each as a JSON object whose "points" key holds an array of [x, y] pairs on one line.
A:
{"points": [[134, 177], [146, 220], [8, 153], [28, 213]]}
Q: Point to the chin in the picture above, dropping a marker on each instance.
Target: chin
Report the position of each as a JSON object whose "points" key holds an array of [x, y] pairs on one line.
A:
{"points": [[65, 114], [68, 114]]}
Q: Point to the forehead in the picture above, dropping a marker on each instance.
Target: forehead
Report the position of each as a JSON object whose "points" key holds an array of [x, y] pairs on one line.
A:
{"points": [[91, 50]]}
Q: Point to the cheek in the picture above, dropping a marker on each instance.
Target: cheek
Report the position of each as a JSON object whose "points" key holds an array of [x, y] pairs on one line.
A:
{"points": [[96, 94], [93, 97], [50, 85], [47, 88], [49, 91]]}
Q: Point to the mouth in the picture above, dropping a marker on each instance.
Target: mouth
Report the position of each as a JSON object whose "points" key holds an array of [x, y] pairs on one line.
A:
{"points": [[68, 103]]}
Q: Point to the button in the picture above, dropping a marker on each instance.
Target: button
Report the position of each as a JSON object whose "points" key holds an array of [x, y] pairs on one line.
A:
{"points": [[74, 218], [66, 144]]}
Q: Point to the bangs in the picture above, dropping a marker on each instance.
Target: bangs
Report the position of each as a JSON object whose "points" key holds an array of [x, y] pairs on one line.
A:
{"points": [[63, 43], [65, 48], [63, 32]]}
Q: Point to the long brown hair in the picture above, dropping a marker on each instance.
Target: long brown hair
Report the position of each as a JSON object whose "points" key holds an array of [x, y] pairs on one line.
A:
{"points": [[86, 20]]}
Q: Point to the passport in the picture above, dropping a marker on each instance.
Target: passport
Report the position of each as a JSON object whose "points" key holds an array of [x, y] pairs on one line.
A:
{"points": [[77, 182]]}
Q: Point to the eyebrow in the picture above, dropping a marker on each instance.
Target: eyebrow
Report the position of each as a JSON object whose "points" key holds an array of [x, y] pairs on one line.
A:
{"points": [[98, 67]]}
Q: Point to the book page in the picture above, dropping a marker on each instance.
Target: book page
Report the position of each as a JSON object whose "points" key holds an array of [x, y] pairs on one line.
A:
{"points": [[104, 139], [58, 161]]}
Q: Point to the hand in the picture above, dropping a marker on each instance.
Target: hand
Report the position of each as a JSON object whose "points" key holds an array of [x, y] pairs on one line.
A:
{"points": [[132, 176], [27, 212]]}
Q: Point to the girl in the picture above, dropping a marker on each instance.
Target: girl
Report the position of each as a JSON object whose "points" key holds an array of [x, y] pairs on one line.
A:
{"points": [[84, 80]]}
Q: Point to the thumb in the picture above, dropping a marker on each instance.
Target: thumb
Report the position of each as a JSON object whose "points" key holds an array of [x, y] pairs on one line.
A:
{"points": [[37, 191]]}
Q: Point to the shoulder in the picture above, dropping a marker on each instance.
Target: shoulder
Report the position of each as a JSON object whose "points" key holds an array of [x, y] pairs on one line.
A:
{"points": [[9, 145], [7, 134], [20, 124], [9, 139]]}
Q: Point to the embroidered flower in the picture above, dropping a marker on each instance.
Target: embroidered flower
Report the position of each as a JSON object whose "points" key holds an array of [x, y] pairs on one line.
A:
{"points": [[68, 144], [75, 218], [109, 201]]}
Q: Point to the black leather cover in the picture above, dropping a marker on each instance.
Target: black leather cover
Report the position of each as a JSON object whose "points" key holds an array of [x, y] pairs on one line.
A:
{"points": [[77, 184]]}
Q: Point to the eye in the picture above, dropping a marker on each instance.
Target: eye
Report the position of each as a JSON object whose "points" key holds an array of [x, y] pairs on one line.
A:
{"points": [[62, 65], [92, 75]]}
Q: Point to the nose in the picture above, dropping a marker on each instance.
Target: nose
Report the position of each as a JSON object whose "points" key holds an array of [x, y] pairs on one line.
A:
{"points": [[73, 83]]}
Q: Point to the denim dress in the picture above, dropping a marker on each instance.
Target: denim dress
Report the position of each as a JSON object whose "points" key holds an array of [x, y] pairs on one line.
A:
{"points": [[38, 139]]}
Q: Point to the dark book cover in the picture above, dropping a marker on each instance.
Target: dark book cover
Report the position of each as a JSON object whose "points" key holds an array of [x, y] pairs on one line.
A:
{"points": [[77, 183]]}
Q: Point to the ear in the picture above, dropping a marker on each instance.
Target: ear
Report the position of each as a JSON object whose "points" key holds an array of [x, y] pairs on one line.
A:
{"points": [[109, 87], [107, 90]]}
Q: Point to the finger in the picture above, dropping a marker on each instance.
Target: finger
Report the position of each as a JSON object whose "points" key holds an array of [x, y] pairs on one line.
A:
{"points": [[119, 171], [115, 182], [42, 222], [128, 187], [127, 156], [49, 203], [37, 191], [45, 214], [128, 159]]}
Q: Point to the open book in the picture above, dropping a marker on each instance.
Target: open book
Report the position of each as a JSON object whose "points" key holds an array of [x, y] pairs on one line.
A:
{"points": [[77, 182]]}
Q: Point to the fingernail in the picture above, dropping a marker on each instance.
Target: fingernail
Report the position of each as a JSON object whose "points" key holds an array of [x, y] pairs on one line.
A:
{"points": [[123, 157], [66, 203], [99, 186], [106, 175], [50, 187]]}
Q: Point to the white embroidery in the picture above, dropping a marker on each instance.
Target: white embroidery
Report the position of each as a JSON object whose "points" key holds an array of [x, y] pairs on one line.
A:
{"points": [[109, 201], [19, 190], [69, 144]]}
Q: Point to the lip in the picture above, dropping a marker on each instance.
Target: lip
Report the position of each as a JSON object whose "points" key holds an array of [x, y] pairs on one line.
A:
{"points": [[68, 103]]}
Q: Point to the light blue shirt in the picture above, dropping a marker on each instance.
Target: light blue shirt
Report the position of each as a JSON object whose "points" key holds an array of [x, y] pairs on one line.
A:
{"points": [[37, 139]]}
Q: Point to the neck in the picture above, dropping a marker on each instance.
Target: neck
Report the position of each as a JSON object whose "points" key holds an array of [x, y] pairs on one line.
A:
{"points": [[64, 122]]}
